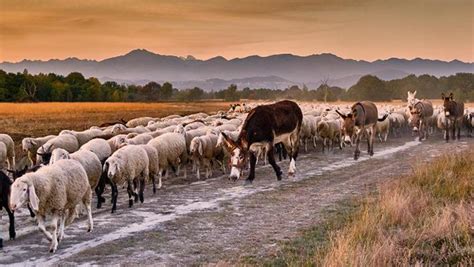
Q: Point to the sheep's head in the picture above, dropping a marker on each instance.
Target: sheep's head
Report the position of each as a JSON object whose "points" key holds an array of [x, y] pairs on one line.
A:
{"points": [[28, 143], [118, 128], [112, 167], [196, 147], [120, 140], [43, 155], [58, 154], [179, 129], [22, 192], [66, 132]]}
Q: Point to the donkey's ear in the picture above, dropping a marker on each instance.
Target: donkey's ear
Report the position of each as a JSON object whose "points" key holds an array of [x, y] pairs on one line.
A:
{"points": [[340, 114], [442, 96], [451, 95], [229, 144]]}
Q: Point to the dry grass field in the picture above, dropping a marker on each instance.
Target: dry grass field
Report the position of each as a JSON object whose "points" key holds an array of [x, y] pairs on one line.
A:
{"points": [[39, 119]]}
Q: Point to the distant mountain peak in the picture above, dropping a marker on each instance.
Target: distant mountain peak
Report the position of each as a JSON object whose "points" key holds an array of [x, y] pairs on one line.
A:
{"points": [[140, 52], [272, 71]]}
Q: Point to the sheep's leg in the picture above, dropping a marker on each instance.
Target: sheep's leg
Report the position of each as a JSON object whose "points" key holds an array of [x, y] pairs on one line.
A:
{"points": [[90, 222], [198, 169], [11, 218], [208, 168], [86, 201], [70, 216], [62, 221], [54, 230], [153, 180], [142, 188], [99, 190], [114, 197], [135, 188], [130, 194], [185, 171], [43, 228]]}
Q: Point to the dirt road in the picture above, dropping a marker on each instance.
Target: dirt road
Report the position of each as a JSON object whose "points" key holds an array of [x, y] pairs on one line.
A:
{"points": [[190, 222]]}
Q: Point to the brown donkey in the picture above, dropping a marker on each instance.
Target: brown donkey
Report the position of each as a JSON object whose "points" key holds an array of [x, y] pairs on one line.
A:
{"points": [[362, 119], [454, 112], [419, 115]]}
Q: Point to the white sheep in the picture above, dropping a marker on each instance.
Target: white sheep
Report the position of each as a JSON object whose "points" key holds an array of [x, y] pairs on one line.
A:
{"points": [[204, 150], [171, 148], [189, 135], [140, 139], [330, 131], [67, 142], [54, 190], [89, 161], [31, 145], [382, 128], [154, 164], [84, 136], [194, 125], [129, 164], [10, 145], [99, 147], [142, 121], [3, 155], [308, 131], [114, 143]]}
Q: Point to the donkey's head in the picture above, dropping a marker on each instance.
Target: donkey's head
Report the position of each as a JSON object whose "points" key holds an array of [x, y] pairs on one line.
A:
{"points": [[448, 104], [238, 154], [347, 127]]}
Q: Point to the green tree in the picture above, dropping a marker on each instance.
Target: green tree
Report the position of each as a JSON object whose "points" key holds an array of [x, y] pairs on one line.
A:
{"points": [[166, 91]]}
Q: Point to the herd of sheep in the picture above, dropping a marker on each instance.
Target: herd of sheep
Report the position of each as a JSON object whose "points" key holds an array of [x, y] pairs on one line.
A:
{"points": [[65, 169]]}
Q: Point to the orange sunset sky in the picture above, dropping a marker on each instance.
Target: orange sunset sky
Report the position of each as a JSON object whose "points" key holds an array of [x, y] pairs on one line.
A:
{"points": [[357, 29]]}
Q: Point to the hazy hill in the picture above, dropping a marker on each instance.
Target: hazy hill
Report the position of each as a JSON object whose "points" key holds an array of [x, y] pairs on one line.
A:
{"points": [[276, 71]]}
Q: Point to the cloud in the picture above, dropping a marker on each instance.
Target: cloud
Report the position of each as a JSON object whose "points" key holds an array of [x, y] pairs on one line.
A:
{"points": [[352, 28]]}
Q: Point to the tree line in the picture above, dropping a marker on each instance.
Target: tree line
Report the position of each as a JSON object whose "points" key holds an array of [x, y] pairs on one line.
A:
{"points": [[25, 87]]}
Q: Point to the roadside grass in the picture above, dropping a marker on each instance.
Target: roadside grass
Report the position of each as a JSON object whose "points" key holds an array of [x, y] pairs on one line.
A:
{"points": [[426, 218]]}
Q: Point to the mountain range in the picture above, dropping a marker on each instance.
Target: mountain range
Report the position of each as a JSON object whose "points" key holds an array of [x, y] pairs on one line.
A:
{"points": [[275, 72]]}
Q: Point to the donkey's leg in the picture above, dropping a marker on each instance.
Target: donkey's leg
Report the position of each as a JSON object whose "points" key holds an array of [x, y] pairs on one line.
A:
{"points": [[455, 124], [357, 140], [459, 129], [253, 161], [271, 160], [372, 140], [292, 147]]}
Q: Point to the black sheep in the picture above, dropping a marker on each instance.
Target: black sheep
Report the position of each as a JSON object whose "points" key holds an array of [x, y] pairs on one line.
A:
{"points": [[5, 184]]}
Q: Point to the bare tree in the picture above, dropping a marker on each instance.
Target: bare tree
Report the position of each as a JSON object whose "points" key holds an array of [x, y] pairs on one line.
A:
{"points": [[30, 89], [324, 83]]}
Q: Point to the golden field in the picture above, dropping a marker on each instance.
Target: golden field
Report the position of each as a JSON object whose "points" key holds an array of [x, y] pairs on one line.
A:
{"points": [[39, 119]]}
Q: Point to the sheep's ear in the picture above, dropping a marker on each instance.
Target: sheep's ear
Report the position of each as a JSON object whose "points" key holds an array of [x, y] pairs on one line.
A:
{"points": [[200, 148], [34, 201]]}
